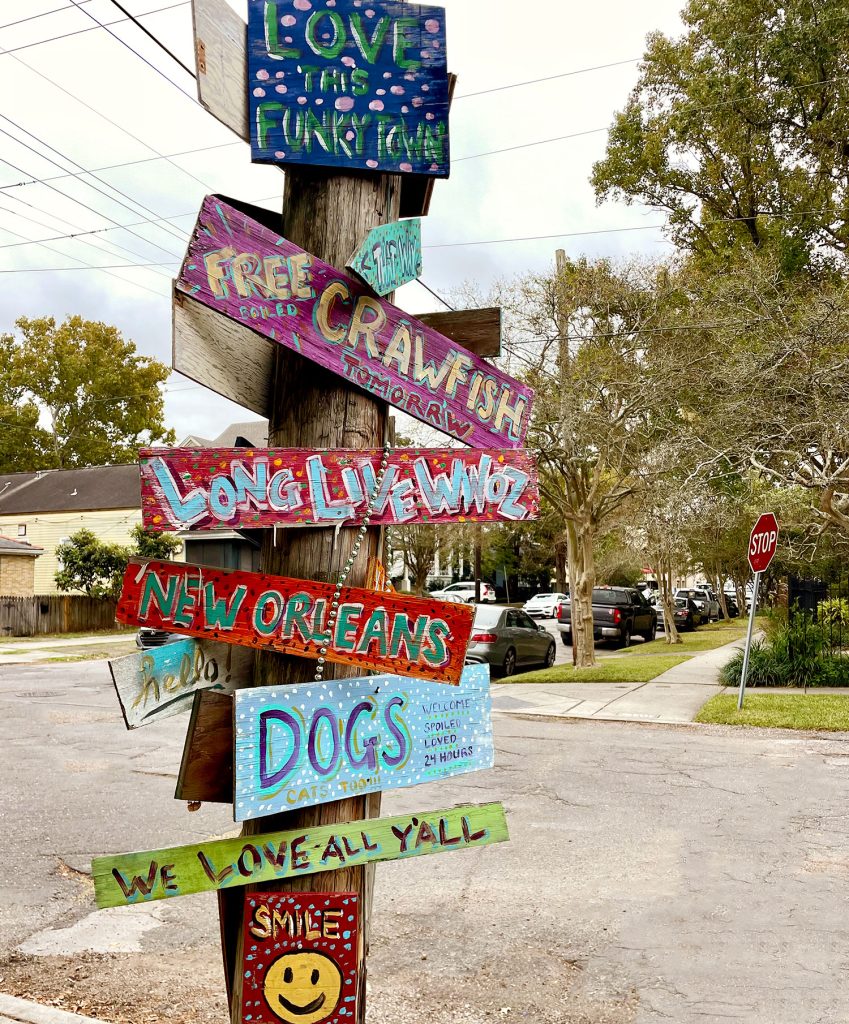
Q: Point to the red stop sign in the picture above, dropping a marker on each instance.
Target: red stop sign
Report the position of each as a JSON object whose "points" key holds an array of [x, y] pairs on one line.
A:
{"points": [[763, 542]]}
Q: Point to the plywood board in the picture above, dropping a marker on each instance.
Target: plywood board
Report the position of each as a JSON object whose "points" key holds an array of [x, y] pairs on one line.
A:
{"points": [[297, 746], [206, 771], [132, 878], [409, 635], [250, 273], [206, 488], [161, 681], [300, 957], [350, 88], [478, 330]]}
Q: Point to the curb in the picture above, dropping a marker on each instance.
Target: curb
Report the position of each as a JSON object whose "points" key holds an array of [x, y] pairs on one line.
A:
{"points": [[23, 1011]]}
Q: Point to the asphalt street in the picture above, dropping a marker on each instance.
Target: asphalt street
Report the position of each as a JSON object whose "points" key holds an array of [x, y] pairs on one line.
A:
{"points": [[685, 874]]}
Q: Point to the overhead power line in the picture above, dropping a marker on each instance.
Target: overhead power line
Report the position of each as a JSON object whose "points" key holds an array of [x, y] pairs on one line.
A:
{"points": [[150, 35]]}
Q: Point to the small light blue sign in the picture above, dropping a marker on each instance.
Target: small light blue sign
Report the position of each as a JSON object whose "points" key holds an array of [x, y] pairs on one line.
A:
{"points": [[297, 746]]}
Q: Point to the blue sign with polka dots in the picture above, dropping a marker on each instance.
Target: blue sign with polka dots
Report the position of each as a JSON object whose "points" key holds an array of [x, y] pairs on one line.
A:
{"points": [[297, 746], [352, 84]]}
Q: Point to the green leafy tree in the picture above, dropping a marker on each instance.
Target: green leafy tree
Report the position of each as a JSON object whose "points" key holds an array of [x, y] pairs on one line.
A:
{"points": [[103, 400], [89, 565], [21, 439], [738, 129], [149, 544], [97, 568]]}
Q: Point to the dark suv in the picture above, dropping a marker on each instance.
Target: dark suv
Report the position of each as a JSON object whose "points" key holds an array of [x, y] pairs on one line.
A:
{"points": [[618, 614]]}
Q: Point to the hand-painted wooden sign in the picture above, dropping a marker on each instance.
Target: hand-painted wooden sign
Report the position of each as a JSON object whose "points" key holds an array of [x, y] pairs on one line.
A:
{"points": [[300, 958], [205, 488], [206, 346], [253, 275], [225, 863], [162, 681], [353, 85], [308, 744], [410, 635], [390, 256]]}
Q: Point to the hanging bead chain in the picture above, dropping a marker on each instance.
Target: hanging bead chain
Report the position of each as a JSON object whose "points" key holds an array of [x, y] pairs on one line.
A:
{"points": [[345, 572]]}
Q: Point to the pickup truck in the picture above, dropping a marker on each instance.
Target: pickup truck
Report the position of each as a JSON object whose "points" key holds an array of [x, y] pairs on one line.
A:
{"points": [[618, 614]]}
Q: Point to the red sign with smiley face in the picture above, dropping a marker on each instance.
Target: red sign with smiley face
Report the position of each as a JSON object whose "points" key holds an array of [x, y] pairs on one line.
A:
{"points": [[300, 958]]}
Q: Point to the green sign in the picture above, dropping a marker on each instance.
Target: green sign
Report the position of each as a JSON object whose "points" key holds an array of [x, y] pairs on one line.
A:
{"points": [[390, 256], [225, 863]]}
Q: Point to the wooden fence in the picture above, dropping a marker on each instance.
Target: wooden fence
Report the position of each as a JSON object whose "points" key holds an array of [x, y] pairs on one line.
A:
{"points": [[55, 613]]}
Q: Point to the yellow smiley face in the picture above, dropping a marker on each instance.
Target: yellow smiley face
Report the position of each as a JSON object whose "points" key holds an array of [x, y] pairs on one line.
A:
{"points": [[303, 987]]}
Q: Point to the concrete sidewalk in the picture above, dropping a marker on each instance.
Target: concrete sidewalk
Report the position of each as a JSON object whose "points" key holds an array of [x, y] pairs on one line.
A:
{"points": [[23, 1011], [673, 698], [26, 651]]}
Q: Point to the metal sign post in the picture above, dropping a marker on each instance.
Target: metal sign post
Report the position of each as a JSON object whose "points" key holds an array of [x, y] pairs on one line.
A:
{"points": [[745, 671]]}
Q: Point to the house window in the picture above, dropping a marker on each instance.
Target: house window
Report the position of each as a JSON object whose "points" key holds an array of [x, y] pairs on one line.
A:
{"points": [[22, 529]]}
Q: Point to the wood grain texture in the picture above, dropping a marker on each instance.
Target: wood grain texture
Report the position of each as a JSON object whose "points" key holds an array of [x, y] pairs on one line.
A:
{"points": [[205, 488], [478, 330], [160, 682], [300, 961], [132, 878], [389, 256], [251, 273], [349, 88], [302, 745], [414, 636], [206, 770], [206, 347], [221, 39]]}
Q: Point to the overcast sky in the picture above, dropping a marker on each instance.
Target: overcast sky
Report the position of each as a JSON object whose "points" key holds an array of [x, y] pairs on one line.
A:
{"points": [[85, 102]]}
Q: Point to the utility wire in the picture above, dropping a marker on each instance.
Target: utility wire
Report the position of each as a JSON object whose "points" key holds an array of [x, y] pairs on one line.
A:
{"points": [[109, 120], [79, 31], [151, 65], [89, 184], [427, 288], [150, 35]]}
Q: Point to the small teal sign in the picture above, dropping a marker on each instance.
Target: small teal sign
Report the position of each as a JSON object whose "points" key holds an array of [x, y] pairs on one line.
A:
{"points": [[297, 746], [390, 256]]}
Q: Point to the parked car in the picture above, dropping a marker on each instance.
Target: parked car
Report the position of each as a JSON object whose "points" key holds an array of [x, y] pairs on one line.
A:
{"points": [[731, 605], [451, 598], [618, 614], [700, 598], [543, 606], [466, 589], [713, 601], [506, 638], [688, 614], [147, 637]]}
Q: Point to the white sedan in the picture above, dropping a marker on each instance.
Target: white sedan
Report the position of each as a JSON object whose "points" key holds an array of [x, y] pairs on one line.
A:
{"points": [[544, 606]]}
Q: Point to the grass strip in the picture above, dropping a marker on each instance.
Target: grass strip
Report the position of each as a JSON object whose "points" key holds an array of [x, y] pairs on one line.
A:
{"points": [[827, 712], [611, 670]]}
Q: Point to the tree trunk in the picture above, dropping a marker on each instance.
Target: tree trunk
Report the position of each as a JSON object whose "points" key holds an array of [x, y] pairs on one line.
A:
{"points": [[740, 590], [670, 630], [720, 593], [560, 546], [580, 537]]}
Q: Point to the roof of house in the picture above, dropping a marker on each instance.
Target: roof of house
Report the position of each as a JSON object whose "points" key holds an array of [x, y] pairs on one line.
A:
{"points": [[8, 546], [92, 488], [255, 432]]}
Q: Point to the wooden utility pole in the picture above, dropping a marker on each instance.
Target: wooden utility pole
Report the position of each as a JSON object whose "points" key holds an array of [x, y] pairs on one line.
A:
{"points": [[328, 214]]}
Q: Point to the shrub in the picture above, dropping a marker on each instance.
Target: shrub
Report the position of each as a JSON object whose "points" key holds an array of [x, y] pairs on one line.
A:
{"points": [[834, 613], [796, 654]]}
